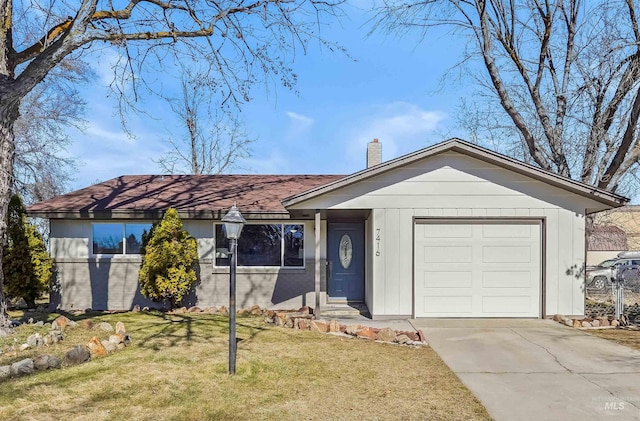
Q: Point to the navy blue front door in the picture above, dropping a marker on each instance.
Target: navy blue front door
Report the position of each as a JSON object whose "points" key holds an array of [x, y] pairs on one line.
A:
{"points": [[346, 261]]}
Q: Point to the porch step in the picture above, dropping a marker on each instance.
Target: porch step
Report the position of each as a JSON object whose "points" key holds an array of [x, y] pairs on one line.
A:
{"points": [[343, 312]]}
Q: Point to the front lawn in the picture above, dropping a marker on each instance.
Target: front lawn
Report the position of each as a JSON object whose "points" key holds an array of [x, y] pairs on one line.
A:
{"points": [[630, 338], [176, 368]]}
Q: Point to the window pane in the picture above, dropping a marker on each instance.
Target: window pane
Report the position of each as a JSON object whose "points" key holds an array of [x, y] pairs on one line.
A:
{"points": [[222, 246], [107, 238], [260, 245], [133, 234], [294, 245]]}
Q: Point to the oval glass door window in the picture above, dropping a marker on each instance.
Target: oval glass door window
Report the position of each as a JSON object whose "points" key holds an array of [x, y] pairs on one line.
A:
{"points": [[345, 251]]}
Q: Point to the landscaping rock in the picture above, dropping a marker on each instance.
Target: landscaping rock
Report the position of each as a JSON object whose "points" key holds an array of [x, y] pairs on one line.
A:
{"points": [[143, 308], [5, 372], [60, 323], [319, 326], [334, 326], [35, 340], [136, 309], [558, 317], [288, 322], [577, 323], [604, 321], [105, 326], [387, 334], [24, 347], [567, 322], [53, 337], [109, 346], [22, 368], [77, 355], [120, 328], [365, 332], [120, 338], [586, 324], [403, 339], [255, 310], [41, 362], [54, 362], [595, 323], [305, 310], [352, 330], [242, 312], [39, 323], [303, 324], [194, 309], [615, 323], [86, 324], [96, 348], [210, 310], [223, 310]]}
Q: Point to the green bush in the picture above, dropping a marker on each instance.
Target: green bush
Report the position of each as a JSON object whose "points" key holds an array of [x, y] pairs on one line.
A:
{"points": [[169, 261], [26, 264]]}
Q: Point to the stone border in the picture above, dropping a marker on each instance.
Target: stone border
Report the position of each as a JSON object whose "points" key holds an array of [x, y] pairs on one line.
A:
{"points": [[305, 320], [77, 355], [601, 322]]}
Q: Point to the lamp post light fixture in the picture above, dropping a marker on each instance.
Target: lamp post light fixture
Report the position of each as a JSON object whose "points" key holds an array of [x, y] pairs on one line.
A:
{"points": [[233, 223]]}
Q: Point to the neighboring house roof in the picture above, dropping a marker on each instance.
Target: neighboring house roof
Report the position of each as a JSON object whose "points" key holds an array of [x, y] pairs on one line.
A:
{"points": [[475, 151], [194, 196], [607, 238]]}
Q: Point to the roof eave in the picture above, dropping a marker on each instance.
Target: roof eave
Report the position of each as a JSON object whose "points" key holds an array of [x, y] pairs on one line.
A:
{"points": [[153, 214], [457, 145]]}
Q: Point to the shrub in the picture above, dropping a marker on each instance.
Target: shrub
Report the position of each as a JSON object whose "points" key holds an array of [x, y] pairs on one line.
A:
{"points": [[26, 264], [169, 261]]}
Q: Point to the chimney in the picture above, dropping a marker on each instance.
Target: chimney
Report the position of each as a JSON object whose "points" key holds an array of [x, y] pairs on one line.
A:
{"points": [[374, 153]]}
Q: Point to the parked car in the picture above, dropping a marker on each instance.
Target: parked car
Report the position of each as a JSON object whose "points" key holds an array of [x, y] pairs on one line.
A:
{"points": [[599, 276]]}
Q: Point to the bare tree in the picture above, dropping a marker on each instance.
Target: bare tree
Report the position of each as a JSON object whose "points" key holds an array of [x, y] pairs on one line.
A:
{"points": [[214, 140], [41, 169], [244, 41], [564, 73]]}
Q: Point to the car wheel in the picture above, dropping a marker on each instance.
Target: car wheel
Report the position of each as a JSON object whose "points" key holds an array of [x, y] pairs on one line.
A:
{"points": [[599, 283]]}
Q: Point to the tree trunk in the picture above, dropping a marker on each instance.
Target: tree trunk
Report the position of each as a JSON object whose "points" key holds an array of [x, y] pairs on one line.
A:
{"points": [[8, 116]]}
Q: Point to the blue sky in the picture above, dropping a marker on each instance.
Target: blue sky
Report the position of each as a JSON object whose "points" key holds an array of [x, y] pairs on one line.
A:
{"points": [[389, 88]]}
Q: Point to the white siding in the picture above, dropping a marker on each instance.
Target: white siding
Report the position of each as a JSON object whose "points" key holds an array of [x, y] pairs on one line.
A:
{"points": [[455, 185]]}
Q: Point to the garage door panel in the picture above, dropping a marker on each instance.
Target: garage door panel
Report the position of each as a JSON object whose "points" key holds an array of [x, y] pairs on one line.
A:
{"points": [[496, 272], [507, 305], [506, 279], [447, 254], [449, 304], [506, 231], [506, 254], [451, 231], [447, 279]]}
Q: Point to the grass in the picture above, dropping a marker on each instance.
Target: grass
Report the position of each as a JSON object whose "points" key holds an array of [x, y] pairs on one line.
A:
{"points": [[630, 338], [176, 368]]}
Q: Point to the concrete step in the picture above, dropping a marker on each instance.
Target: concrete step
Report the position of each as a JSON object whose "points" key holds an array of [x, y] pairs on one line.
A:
{"points": [[342, 312]]}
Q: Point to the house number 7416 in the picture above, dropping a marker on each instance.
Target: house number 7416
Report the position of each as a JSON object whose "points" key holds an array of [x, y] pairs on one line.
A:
{"points": [[377, 241]]}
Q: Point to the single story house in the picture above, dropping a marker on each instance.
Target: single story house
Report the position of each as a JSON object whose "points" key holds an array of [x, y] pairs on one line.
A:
{"points": [[451, 230]]}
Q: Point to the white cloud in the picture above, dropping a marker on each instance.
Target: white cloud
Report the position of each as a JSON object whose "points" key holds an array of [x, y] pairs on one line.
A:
{"points": [[299, 118], [401, 128], [299, 125]]}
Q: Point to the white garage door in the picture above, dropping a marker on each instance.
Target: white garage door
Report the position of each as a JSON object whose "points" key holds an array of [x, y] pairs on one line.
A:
{"points": [[477, 269]]}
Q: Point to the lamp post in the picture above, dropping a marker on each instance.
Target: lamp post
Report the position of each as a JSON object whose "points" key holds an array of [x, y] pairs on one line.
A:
{"points": [[233, 223]]}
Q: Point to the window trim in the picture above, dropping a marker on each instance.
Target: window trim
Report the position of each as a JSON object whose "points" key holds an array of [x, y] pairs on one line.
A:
{"points": [[124, 253], [282, 266]]}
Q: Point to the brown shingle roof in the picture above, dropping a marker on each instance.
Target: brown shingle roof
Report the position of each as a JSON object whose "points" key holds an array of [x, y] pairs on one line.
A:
{"points": [[193, 195]]}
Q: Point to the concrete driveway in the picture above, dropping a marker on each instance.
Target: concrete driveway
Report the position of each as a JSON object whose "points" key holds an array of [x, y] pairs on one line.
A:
{"points": [[539, 369]]}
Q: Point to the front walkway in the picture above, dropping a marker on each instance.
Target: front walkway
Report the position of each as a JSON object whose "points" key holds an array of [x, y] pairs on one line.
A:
{"points": [[539, 369]]}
